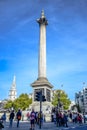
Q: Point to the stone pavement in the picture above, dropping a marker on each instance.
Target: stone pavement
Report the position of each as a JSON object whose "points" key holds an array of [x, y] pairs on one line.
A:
{"points": [[45, 126], [52, 126]]}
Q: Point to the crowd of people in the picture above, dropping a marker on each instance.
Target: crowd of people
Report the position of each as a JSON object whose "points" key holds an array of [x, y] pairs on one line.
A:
{"points": [[12, 115], [33, 117], [57, 117], [62, 118]]}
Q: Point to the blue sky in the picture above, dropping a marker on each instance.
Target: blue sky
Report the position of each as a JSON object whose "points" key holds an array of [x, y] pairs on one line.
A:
{"points": [[66, 44]]}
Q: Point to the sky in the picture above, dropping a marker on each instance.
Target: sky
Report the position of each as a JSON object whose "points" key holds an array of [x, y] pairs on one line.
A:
{"points": [[66, 44]]}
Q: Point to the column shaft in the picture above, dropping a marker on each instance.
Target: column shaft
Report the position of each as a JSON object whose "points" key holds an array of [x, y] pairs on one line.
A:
{"points": [[42, 52]]}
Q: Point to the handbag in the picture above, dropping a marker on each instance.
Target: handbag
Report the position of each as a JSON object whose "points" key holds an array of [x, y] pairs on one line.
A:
{"points": [[19, 117]]}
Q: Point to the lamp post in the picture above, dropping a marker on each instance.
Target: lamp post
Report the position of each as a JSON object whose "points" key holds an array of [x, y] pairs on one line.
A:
{"points": [[58, 101], [60, 104]]}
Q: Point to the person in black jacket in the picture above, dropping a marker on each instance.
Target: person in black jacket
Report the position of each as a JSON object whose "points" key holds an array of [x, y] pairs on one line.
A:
{"points": [[18, 116], [11, 117]]}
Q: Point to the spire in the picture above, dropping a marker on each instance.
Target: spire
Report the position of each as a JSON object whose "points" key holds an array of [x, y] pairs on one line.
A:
{"points": [[14, 83], [14, 79], [12, 91], [42, 14]]}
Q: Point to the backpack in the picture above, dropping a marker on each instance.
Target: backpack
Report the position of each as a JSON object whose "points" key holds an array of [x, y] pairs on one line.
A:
{"points": [[19, 115]]}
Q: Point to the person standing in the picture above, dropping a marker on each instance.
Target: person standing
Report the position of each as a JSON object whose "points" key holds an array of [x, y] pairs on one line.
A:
{"points": [[3, 118], [65, 117], [32, 120], [28, 116], [18, 116], [11, 117], [54, 117], [2, 121]]}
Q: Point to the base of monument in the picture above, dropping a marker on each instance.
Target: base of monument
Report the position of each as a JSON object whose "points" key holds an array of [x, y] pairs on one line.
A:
{"points": [[46, 109], [46, 106]]}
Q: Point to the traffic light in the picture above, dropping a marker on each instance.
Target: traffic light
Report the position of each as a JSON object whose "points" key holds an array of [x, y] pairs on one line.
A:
{"points": [[37, 96], [43, 98]]}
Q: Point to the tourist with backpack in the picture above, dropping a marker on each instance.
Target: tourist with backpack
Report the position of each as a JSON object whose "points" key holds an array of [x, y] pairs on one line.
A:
{"points": [[18, 116]]}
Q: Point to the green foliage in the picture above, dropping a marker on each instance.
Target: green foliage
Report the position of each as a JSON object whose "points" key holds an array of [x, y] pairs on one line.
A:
{"points": [[62, 97], [8, 105], [22, 102]]}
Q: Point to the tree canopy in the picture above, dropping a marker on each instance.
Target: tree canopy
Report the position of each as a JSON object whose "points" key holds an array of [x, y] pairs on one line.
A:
{"points": [[61, 97], [22, 102]]}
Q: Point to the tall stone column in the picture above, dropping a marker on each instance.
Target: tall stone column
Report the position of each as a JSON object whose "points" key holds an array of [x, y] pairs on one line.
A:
{"points": [[42, 46], [42, 82]]}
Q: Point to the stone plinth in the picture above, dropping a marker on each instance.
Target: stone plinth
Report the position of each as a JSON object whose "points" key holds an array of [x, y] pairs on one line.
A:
{"points": [[45, 85]]}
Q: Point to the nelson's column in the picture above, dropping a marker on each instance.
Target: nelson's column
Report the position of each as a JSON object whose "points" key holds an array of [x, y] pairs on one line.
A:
{"points": [[42, 81]]}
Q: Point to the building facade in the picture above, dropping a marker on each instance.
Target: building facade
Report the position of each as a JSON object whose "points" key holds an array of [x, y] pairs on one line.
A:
{"points": [[81, 100], [13, 91]]}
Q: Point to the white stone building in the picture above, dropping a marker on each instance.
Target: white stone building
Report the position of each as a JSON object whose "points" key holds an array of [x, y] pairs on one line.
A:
{"points": [[81, 100], [85, 99], [13, 91]]}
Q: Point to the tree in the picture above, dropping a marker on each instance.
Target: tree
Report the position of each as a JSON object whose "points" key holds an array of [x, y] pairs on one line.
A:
{"points": [[61, 98], [8, 105], [22, 102]]}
